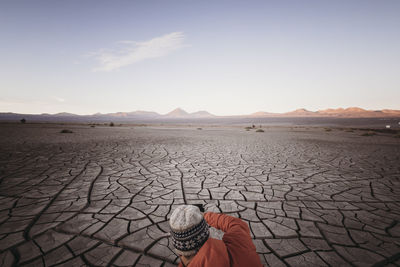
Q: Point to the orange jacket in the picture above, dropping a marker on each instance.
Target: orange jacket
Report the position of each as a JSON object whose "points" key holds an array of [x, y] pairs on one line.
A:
{"points": [[236, 248]]}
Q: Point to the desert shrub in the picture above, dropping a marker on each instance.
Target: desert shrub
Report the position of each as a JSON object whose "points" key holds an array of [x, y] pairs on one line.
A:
{"points": [[369, 133], [259, 131], [328, 129], [92, 126], [111, 124], [23, 120], [248, 128], [66, 131], [199, 129], [349, 130]]}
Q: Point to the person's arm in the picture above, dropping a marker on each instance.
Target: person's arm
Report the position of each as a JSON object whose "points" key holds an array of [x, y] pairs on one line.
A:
{"points": [[237, 232], [236, 238]]}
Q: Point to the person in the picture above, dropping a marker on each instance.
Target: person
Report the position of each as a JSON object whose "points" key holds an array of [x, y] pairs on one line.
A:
{"points": [[192, 242]]}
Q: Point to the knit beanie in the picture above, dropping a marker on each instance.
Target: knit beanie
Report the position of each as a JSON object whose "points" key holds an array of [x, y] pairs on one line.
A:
{"points": [[189, 230]]}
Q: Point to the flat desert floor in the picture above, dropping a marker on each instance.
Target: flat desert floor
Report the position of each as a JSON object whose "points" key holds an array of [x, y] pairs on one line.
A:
{"points": [[102, 196]]}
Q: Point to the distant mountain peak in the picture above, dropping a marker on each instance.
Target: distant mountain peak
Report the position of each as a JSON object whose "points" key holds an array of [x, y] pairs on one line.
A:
{"points": [[178, 112], [330, 111], [300, 111], [133, 114], [354, 109]]}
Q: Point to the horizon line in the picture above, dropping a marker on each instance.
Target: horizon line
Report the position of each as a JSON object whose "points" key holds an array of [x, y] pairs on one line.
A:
{"points": [[203, 110]]}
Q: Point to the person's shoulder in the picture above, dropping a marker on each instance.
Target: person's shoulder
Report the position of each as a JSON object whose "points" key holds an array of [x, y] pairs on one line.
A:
{"points": [[213, 244], [212, 253]]}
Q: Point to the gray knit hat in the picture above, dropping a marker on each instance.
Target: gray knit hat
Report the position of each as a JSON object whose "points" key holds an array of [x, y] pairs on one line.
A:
{"points": [[189, 230]]}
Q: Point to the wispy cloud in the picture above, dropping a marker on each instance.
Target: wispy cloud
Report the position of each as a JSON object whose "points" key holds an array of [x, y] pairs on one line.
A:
{"points": [[133, 51]]}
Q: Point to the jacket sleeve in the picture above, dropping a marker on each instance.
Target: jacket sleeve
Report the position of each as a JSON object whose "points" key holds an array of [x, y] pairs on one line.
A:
{"points": [[226, 223], [236, 238]]}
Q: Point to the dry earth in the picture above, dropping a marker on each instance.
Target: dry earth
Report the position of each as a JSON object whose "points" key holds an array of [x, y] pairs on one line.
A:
{"points": [[102, 196]]}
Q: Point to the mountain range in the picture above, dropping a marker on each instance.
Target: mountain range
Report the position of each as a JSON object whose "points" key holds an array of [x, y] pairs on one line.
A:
{"points": [[180, 114]]}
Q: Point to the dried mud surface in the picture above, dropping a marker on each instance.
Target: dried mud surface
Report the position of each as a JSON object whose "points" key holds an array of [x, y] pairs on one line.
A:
{"points": [[102, 196]]}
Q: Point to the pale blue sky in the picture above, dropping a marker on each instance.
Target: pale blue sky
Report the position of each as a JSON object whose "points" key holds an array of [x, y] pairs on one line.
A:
{"points": [[226, 57]]}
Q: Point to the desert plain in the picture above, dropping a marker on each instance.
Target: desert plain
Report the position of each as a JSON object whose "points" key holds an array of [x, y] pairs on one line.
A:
{"points": [[102, 196]]}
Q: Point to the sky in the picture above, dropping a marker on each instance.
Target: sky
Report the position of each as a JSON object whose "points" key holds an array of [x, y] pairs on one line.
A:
{"points": [[226, 57]]}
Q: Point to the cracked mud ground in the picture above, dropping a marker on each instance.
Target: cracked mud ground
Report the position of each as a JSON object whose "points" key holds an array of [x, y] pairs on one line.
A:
{"points": [[102, 196]]}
